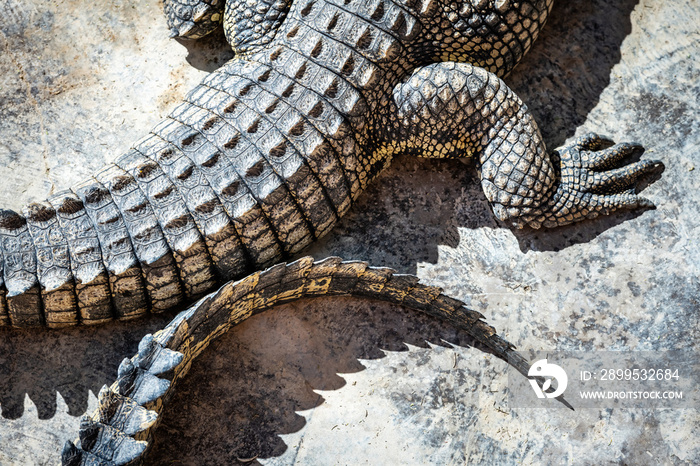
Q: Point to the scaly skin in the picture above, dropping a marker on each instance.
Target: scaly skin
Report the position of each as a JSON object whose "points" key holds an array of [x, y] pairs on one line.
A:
{"points": [[193, 19], [268, 152], [128, 412]]}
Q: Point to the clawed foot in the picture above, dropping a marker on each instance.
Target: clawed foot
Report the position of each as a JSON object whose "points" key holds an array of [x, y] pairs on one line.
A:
{"points": [[193, 19], [592, 181]]}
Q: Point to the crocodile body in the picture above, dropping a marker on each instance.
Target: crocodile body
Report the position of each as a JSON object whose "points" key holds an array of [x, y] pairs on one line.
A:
{"points": [[122, 427], [269, 151]]}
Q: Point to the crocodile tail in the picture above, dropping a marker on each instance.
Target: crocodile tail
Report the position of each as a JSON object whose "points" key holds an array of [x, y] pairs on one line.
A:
{"points": [[122, 427], [38, 285], [98, 252]]}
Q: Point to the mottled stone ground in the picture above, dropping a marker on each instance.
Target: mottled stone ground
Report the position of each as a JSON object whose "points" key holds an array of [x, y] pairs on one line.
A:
{"points": [[345, 381]]}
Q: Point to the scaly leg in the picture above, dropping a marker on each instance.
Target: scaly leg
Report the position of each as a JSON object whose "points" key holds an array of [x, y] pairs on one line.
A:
{"points": [[456, 110]]}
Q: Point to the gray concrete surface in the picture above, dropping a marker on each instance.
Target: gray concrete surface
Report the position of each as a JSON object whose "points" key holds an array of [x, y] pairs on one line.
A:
{"points": [[345, 381]]}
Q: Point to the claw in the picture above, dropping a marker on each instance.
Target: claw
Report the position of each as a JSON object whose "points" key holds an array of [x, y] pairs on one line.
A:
{"points": [[618, 179], [643, 202], [200, 11], [185, 29]]}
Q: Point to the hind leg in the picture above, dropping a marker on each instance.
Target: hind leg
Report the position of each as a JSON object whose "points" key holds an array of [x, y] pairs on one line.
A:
{"points": [[457, 110]]}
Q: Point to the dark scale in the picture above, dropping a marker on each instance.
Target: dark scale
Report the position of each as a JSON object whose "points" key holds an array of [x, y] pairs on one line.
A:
{"points": [[269, 151]]}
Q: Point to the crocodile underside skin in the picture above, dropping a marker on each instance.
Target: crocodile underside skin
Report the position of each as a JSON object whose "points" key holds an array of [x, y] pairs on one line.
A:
{"points": [[269, 151], [120, 431]]}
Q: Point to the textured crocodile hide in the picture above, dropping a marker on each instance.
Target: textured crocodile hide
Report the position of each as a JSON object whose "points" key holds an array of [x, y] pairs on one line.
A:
{"points": [[269, 151], [121, 429]]}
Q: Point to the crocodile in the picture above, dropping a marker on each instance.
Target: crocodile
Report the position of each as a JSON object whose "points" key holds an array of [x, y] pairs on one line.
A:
{"points": [[122, 427], [269, 151]]}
